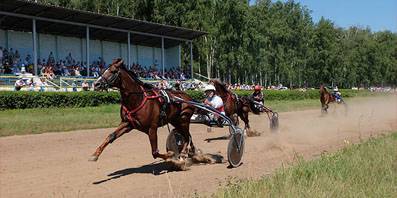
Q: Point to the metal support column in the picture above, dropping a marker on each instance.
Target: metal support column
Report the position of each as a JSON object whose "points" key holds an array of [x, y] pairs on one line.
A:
{"points": [[88, 50], [6, 35], [191, 59], [129, 50], [162, 54], [34, 34], [179, 56]]}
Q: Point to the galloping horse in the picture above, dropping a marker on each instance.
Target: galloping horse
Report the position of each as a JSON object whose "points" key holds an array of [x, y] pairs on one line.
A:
{"points": [[241, 106], [144, 108], [326, 98], [234, 106]]}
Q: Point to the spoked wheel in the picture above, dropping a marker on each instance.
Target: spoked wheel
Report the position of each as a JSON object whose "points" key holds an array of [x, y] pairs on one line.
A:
{"points": [[235, 149], [274, 121], [175, 142]]}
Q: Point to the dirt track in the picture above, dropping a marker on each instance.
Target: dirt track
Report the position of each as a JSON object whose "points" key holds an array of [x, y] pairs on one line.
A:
{"points": [[55, 164]]}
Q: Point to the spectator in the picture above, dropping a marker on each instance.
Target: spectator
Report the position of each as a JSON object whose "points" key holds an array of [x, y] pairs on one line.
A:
{"points": [[11, 56], [17, 57], [69, 60], [42, 85], [85, 86], [19, 84], [177, 85], [28, 60], [74, 86], [32, 85], [51, 59]]}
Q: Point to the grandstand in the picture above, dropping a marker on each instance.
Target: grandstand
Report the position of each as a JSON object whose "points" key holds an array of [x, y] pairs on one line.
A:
{"points": [[55, 41]]}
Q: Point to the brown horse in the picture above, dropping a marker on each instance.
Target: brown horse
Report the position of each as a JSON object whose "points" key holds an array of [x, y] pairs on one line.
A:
{"points": [[234, 106], [241, 106], [326, 98], [144, 108]]}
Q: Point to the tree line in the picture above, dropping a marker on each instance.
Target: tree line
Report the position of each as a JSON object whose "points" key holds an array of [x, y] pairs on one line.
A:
{"points": [[266, 43]]}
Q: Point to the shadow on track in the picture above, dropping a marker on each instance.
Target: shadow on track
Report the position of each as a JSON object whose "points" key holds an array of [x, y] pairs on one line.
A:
{"points": [[156, 168]]}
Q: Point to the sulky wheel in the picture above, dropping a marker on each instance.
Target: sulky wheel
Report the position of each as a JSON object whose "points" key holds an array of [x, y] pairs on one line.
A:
{"points": [[274, 121], [235, 148], [175, 142]]}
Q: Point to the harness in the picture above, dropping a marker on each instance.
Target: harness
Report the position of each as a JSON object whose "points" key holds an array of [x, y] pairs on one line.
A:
{"points": [[161, 96]]}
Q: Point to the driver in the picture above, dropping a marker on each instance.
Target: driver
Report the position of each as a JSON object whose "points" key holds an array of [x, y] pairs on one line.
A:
{"points": [[337, 94], [214, 101], [257, 96]]}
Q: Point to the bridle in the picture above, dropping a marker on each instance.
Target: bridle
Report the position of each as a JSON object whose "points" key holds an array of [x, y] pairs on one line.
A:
{"points": [[109, 82]]}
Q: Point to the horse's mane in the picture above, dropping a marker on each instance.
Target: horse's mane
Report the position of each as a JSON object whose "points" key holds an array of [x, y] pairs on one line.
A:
{"points": [[220, 87], [136, 78]]}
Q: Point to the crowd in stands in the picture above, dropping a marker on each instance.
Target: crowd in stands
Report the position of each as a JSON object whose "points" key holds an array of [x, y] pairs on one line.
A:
{"points": [[11, 62], [153, 73]]}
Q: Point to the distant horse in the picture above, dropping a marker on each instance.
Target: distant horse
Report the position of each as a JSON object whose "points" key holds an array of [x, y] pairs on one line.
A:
{"points": [[144, 108], [326, 98]]}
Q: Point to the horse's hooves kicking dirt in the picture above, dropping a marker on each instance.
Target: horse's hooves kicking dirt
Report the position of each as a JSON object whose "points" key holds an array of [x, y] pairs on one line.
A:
{"points": [[207, 158], [180, 165], [183, 164], [253, 133]]}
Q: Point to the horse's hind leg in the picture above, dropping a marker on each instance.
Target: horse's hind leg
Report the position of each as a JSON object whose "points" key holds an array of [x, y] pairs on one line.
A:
{"points": [[124, 127], [244, 117], [183, 126]]}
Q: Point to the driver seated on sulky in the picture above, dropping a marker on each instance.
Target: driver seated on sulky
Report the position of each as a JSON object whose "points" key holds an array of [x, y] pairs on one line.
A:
{"points": [[257, 96], [214, 101], [337, 94]]}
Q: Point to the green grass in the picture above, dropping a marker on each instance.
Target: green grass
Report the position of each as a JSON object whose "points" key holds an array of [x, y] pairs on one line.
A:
{"points": [[361, 170], [39, 120]]}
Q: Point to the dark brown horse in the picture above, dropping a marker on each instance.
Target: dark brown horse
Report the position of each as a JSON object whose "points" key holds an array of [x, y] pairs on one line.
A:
{"points": [[144, 108], [327, 98]]}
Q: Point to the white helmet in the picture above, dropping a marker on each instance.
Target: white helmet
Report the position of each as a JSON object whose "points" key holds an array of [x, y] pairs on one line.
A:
{"points": [[209, 88], [336, 89]]}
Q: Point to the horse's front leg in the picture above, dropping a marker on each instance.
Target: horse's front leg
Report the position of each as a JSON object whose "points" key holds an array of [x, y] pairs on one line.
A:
{"points": [[153, 143], [124, 127]]}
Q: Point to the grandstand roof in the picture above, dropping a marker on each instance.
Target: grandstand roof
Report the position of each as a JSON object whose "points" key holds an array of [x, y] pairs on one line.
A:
{"points": [[18, 15]]}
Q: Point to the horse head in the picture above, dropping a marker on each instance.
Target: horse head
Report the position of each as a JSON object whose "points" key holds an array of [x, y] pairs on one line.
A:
{"points": [[323, 90], [110, 77], [221, 88]]}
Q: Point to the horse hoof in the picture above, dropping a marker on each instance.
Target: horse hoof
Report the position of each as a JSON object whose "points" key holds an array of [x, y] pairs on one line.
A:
{"points": [[93, 158]]}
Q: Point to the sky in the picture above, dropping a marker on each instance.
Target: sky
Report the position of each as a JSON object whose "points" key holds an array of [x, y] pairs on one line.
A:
{"points": [[379, 15]]}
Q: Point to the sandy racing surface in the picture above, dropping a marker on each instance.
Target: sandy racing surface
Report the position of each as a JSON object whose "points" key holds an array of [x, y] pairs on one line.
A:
{"points": [[56, 164]]}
